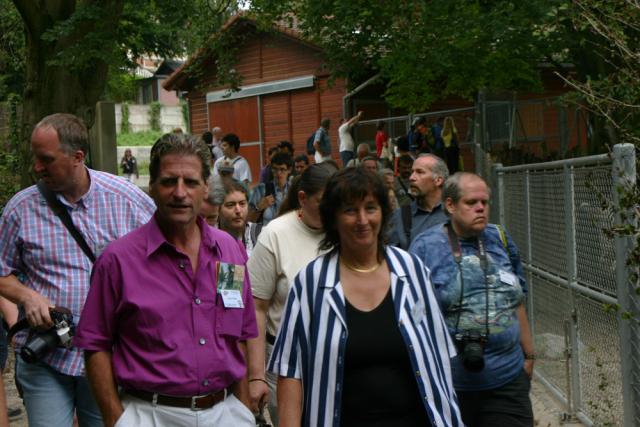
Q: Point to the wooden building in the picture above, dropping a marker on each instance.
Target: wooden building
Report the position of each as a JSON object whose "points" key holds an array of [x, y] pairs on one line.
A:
{"points": [[285, 93]]}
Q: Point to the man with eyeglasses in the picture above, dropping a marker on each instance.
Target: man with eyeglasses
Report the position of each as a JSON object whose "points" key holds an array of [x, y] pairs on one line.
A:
{"points": [[266, 198]]}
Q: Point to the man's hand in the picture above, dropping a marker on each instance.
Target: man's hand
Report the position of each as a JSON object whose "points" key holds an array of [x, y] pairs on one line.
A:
{"points": [[258, 395], [266, 202], [36, 309]]}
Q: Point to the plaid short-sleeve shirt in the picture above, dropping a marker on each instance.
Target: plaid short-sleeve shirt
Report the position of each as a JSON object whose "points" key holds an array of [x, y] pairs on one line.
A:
{"points": [[36, 247]]}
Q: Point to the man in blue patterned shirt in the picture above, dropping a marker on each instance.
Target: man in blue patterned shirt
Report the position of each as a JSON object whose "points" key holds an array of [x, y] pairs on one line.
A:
{"points": [[35, 245], [480, 285]]}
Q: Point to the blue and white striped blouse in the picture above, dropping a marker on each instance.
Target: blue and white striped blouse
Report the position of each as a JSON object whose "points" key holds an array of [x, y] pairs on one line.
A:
{"points": [[313, 333]]}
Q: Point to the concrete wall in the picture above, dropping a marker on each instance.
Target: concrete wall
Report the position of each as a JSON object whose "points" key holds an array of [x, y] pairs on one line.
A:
{"points": [[170, 118]]}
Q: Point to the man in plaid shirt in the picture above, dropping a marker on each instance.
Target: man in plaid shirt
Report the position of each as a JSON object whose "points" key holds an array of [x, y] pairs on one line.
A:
{"points": [[36, 246]]}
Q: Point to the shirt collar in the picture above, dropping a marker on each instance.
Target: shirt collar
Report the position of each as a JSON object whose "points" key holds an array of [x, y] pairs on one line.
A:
{"points": [[87, 197], [155, 238], [415, 208]]}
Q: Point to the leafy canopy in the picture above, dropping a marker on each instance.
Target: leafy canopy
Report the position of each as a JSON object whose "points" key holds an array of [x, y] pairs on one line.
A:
{"points": [[428, 50]]}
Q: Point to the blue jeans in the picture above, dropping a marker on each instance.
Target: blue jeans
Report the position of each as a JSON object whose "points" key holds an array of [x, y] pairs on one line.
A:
{"points": [[345, 156], [52, 398]]}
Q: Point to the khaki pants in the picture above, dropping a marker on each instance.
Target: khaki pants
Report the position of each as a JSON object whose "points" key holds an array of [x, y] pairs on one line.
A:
{"points": [[228, 413]]}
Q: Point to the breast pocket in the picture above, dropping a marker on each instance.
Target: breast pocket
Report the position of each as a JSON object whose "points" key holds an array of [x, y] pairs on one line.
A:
{"points": [[229, 321]]}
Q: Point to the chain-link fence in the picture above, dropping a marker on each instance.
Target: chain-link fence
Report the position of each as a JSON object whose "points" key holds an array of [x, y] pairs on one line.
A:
{"points": [[579, 288]]}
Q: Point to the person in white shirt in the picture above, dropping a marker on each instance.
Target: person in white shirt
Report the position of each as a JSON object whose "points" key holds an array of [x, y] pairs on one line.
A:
{"points": [[346, 139], [230, 146]]}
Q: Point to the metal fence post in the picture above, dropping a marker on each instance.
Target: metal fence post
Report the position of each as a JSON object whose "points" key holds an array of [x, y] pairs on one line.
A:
{"points": [[497, 178], [624, 176], [528, 246], [573, 353]]}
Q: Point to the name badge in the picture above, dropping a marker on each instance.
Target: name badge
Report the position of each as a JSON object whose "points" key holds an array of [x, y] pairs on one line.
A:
{"points": [[229, 284], [508, 278]]}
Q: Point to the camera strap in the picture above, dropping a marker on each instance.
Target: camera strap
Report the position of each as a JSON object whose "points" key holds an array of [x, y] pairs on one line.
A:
{"points": [[456, 250], [61, 212], [17, 327]]}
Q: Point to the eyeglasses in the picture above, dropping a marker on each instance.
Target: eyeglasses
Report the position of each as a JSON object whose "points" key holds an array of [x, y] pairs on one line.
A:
{"points": [[282, 170]]}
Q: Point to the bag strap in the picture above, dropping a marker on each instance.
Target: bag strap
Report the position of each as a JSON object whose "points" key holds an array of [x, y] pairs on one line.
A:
{"points": [[61, 212], [503, 238], [405, 210]]}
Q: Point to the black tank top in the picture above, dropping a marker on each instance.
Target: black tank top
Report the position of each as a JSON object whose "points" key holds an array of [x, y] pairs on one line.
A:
{"points": [[380, 389]]}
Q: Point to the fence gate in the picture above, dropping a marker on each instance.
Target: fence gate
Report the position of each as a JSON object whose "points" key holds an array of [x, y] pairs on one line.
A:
{"points": [[578, 277]]}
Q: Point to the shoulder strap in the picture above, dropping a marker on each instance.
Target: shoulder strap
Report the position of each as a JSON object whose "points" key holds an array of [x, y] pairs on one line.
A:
{"points": [[406, 222], [62, 213], [503, 238], [255, 232]]}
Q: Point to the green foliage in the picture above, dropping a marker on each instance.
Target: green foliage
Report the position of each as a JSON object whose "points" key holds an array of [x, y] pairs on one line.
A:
{"points": [[136, 139], [12, 50], [9, 157], [185, 115], [121, 86], [428, 50], [125, 126], [155, 108]]}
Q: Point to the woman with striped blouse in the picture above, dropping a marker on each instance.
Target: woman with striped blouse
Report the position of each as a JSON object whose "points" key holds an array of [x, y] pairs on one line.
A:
{"points": [[362, 341]]}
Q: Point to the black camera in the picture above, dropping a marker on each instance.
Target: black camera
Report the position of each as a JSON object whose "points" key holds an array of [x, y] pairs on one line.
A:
{"points": [[59, 335], [470, 344]]}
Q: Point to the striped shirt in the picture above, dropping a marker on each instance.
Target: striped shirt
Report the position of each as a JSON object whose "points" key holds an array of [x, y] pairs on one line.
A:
{"points": [[36, 246], [313, 334]]}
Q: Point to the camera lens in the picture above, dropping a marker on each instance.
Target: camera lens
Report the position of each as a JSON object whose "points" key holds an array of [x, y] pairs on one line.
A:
{"points": [[473, 357], [38, 346]]}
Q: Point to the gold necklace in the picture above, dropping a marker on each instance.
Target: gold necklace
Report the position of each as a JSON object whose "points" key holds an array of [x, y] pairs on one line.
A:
{"points": [[360, 270]]}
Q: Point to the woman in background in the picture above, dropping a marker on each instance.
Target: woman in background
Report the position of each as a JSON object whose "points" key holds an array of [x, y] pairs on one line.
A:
{"points": [[284, 246]]}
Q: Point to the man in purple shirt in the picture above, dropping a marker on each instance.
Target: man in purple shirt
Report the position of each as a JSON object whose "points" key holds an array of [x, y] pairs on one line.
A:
{"points": [[41, 265], [170, 308]]}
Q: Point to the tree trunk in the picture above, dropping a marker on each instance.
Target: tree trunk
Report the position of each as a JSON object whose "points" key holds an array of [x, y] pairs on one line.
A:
{"points": [[51, 88]]}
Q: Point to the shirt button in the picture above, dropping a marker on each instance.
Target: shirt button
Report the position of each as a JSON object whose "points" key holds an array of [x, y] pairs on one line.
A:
{"points": [[205, 382], [181, 265], [198, 301], [202, 341], [417, 373]]}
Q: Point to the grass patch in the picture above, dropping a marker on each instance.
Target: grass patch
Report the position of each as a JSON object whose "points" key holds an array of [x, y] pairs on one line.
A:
{"points": [[136, 139]]}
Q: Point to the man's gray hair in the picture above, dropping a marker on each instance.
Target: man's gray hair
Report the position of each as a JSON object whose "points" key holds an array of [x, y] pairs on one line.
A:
{"points": [[215, 196], [451, 189], [181, 144], [71, 130], [440, 168], [363, 145]]}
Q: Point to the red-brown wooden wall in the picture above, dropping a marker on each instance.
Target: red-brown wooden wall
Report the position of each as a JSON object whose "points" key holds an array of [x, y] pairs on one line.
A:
{"points": [[291, 115]]}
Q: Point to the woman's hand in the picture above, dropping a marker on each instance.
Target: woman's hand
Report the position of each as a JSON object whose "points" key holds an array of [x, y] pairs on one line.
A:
{"points": [[528, 367]]}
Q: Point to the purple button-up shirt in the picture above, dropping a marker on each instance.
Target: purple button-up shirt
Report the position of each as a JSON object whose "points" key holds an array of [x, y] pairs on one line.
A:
{"points": [[36, 246], [166, 327]]}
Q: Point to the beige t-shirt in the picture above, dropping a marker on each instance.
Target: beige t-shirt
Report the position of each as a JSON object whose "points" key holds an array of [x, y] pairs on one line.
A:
{"points": [[284, 247]]}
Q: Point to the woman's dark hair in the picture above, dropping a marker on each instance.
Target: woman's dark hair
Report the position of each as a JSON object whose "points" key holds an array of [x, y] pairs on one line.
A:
{"points": [[380, 125], [347, 186], [311, 181]]}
